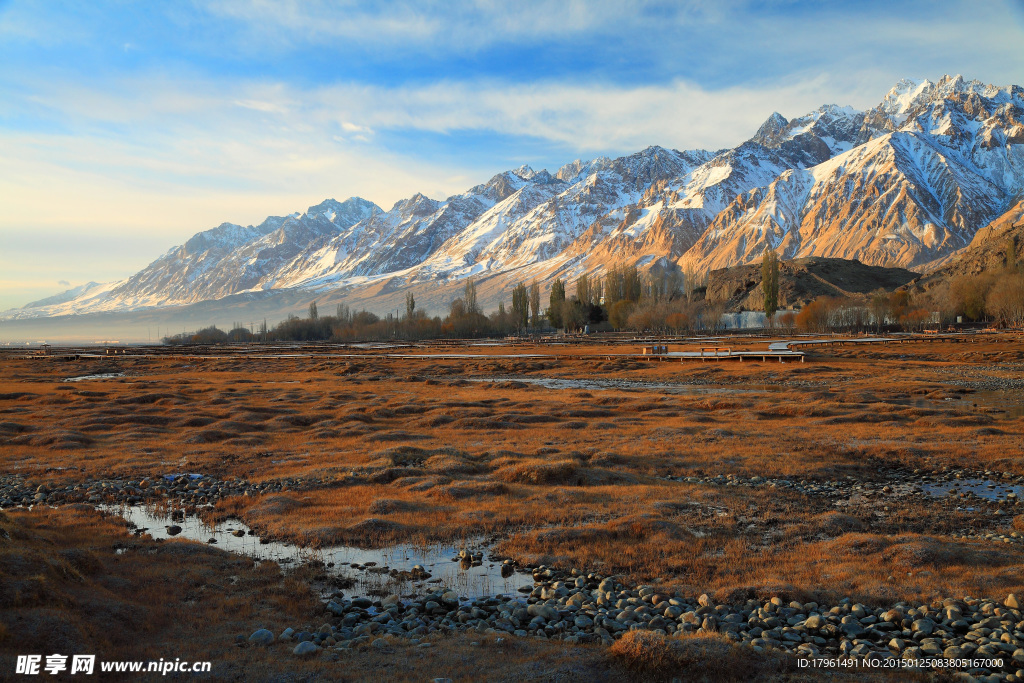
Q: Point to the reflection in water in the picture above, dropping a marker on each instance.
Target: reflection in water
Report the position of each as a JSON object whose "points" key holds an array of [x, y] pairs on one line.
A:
{"points": [[105, 375], [609, 384], [999, 403], [1010, 403], [983, 488], [372, 572]]}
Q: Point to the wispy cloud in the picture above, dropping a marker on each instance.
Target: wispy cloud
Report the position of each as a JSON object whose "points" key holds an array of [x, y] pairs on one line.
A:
{"points": [[125, 153]]}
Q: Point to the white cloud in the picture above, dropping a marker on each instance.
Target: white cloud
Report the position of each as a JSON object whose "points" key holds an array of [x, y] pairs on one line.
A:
{"points": [[745, 34], [442, 25], [579, 118], [350, 127], [174, 157]]}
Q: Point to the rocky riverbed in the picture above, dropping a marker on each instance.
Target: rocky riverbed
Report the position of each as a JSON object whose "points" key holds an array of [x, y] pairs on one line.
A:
{"points": [[985, 488], [986, 635], [183, 489], [997, 496], [977, 487], [591, 608]]}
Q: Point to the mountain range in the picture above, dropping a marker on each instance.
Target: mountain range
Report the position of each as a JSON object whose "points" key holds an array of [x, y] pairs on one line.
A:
{"points": [[908, 183]]}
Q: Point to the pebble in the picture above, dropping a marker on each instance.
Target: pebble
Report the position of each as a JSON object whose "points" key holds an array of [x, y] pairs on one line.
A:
{"points": [[575, 607], [16, 490]]}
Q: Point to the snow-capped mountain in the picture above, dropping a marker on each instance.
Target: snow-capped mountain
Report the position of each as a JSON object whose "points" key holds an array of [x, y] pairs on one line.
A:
{"points": [[65, 297], [940, 162], [230, 258], [906, 183]]}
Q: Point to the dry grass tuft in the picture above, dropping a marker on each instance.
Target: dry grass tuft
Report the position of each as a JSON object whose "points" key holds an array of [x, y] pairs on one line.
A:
{"points": [[704, 657], [534, 471]]}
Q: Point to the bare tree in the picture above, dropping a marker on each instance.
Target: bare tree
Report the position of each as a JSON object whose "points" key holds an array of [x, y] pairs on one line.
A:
{"points": [[555, 302], [410, 305], [770, 284], [879, 305], [1006, 300], [534, 304], [470, 297], [520, 306]]}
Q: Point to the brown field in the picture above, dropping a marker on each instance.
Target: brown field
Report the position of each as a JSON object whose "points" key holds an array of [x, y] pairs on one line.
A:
{"points": [[374, 450]]}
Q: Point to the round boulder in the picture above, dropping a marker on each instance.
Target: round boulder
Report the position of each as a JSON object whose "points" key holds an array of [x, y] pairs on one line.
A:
{"points": [[262, 637]]}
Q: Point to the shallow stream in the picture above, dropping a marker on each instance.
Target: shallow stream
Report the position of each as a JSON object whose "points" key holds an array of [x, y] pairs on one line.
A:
{"points": [[369, 570]]}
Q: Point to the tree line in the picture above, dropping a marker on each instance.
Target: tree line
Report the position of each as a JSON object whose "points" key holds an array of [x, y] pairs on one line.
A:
{"points": [[993, 297], [659, 302], [623, 299]]}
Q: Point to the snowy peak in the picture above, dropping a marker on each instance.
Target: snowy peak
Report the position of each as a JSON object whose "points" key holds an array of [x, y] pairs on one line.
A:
{"points": [[903, 97], [909, 97], [417, 205], [770, 130], [814, 137], [64, 297], [657, 163], [505, 184], [577, 170], [525, 172], [344, 214], [225, 235]]}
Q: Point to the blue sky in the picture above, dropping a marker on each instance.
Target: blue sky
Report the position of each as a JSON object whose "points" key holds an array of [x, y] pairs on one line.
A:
{"points": [[125, 127]]}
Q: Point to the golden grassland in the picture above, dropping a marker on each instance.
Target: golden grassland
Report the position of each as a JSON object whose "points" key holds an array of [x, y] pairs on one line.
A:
{"points": [[420, 450]]}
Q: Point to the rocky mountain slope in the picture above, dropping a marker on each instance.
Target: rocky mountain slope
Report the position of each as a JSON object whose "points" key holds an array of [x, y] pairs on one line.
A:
{"points": [[934, 164], [907, 183], [801, 281], [997, 246]]}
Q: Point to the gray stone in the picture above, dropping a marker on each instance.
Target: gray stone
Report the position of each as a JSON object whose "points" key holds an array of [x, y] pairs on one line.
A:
{"points": [[583, 622], [925, 626], [852, 629], [546, 611], [305, 649], [262, 637], [814, 622]]}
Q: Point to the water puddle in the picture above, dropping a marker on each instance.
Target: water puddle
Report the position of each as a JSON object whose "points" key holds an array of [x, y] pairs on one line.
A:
{"points": [[363, 573], [612, 384], [1009, 403], [1000, 404], [982, 488], [105, 375]]}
